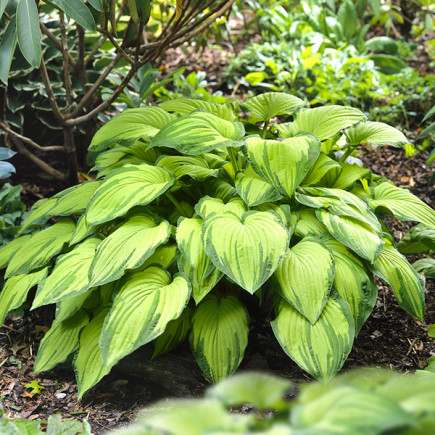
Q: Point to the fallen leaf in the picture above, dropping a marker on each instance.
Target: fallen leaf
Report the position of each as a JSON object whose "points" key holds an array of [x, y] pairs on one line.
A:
{"points": [[36, 388]]}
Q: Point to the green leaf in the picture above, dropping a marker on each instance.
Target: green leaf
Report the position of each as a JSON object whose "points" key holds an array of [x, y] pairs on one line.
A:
{"points": [[305, 277], [207, 206], [70, 201], [201, 286], [189, 232], [320, 349], [59, 342], [40, 213], [145, 304], [28, 32], [253, 189], [70, 275], [354, 234], [325, 122], [250, 248], [3, 4], [129, 126], [375, 133], [127, 248], [219, 335], [282, 211], [347, 17], [9, 249], [184, 106], [402, 203], [261, 390], [175, 333], [406, 283], [347, 409], [77, 11], [15, 290], [196, 167], [349, 175], [352, 282], [323, 165], [270, 104], [220, 188], [198, 133], [425, 266], [382, 43], [417, 240], [88, 363], [7, 46], [68, 307], [125, 188], [388, 64], [36, 388], [39, 249], [163, 256], [283, 164], [308, 224], [339, 202]]}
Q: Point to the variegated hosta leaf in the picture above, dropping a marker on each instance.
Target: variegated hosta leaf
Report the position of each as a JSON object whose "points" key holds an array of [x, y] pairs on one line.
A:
{"points": [[189, 232], [305, 277], [198, 133], [125, 188], [201, 286], [59, 342], [38, 250], [253, 189], [163, 256], [184, 106], [248, 248], [88, 363], [320, 349], [270, 104], [196, 167], [40, 213], [8, 250], [353, 233], [124, 161], [220, 188], [129, 126], [352, 282], [143, 307], [83, 230], [282, 211], [127, 248], [68, 307], [403, 204], [339, 202], [417, 240], [325, 122], [308, 224], [323, 165], [349, 175], [175, 333], [15, 291], [375, 133], [219, 335], [406, 283], [283, 164], [70, 275], [118, 153], [207, 206]]}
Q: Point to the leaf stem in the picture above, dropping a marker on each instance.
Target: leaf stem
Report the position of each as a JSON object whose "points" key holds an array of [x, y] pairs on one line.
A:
{"points": [[264, 131], [233, 158], [347, 153], [174, 201]]}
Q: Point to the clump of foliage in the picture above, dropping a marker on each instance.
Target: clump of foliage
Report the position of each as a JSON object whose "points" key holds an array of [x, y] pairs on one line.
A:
{"points": [[196, 205], [364, 401], [54, 426]]}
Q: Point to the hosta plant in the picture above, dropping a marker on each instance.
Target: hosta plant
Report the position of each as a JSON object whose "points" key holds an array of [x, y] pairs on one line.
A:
{"points": [[196, 204]]}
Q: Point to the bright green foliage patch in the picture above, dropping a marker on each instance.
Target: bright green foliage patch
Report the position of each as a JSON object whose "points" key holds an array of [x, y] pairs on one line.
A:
{"points": [[190, 216]]}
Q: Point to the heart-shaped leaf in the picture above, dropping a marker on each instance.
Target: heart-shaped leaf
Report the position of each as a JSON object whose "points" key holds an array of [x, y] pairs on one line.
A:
{"points": [[250, 248]]}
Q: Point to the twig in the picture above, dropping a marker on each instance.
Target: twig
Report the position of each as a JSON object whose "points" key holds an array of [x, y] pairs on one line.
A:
{"points": [[116, 45], [411, 345], [44, 166], [56, 42], [66, 70], [52, 100], [90, 56], [28, 141], [80, 64]]}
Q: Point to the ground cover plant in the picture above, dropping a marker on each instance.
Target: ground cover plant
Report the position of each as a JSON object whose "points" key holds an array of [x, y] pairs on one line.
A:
{"points": [[200, 210]]}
